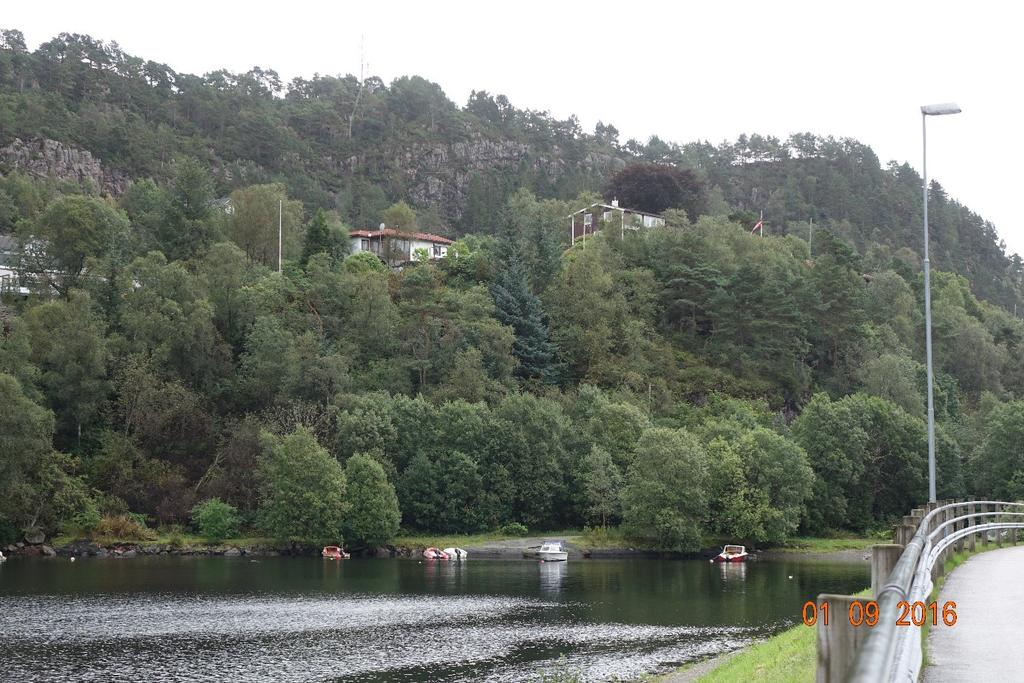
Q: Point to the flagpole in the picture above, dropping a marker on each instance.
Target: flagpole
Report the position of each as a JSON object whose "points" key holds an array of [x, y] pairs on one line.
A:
{"points": [[280, 221]]}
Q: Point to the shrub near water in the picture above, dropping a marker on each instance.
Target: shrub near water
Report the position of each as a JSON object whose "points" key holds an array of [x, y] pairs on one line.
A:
{"points": [[215, 520], [514, 529], [122, 528]]}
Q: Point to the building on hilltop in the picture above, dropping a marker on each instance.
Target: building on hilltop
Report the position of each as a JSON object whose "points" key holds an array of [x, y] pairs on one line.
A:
{"points": [[590, 219], [397, 248]]}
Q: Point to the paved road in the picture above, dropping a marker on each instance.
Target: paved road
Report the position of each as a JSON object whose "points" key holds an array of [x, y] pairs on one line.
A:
{"points": [[987, 641]]}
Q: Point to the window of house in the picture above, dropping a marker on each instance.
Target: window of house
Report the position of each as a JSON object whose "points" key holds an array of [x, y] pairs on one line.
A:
{"points": [[364, 245], [437, 251]]}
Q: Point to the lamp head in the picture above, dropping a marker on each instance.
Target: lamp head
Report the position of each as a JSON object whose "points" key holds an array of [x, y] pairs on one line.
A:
{"points": [[940, 109]]}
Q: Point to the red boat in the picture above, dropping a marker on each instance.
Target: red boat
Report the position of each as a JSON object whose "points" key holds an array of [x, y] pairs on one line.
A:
{"points": [[732, 553], [435, 554], [333, 552]]}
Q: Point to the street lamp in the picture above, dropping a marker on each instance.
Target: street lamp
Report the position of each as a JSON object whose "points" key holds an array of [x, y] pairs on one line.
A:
{"points": [[926, 111]]}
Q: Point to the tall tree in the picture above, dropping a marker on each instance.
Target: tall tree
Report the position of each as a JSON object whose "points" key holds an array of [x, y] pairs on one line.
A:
{"points": [[303, 489], [373, 514], [665, 495], [520, 309], [71, 233]]}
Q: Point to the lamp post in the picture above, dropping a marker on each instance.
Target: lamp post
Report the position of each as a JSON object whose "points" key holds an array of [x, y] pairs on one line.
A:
{"points": [[926, 111]]}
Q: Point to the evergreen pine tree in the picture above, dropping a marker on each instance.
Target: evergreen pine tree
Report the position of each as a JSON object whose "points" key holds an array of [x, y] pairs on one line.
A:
{"points": [[520, 309], [318, 237]]}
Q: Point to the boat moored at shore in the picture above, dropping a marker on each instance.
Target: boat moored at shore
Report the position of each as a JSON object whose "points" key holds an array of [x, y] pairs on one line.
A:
{"points": [[732, 553], [549, 551], [333, 552]]}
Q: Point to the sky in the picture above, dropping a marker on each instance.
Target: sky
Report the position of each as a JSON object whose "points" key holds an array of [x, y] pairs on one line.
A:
{"points": [[683, 71]]}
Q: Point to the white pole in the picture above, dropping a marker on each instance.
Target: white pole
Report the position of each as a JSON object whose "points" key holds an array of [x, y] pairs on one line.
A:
{"points": [[280, 223], [810, 237], [928, 314]]}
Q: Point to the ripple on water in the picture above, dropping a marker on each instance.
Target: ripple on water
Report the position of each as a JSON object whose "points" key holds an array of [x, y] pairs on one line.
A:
{"points": [[354, 637]]}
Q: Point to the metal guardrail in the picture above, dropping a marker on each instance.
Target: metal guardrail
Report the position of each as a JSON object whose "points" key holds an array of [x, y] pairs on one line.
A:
{"points": [[888, 653]]}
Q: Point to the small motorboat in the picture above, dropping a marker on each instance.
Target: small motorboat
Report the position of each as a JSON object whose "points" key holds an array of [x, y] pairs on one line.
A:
{"points": [[333, 552], [435, 554], [2, 558], [456, 553], [549, 551], [732, 553]]}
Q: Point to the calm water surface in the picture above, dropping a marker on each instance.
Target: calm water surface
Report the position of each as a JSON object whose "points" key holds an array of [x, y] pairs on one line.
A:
{"points": [[292, 619]]}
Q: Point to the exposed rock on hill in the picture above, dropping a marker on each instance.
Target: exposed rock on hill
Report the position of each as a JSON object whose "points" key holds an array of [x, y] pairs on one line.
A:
{"points": [[49, 158]]}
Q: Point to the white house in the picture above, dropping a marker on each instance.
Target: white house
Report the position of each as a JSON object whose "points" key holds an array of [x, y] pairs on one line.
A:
{"points": [[10, 275], [396, 248], [585, 221]]}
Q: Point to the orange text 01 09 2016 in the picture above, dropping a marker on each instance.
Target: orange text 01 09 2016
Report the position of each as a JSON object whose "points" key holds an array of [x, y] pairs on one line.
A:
{"points": [[865, 613]]}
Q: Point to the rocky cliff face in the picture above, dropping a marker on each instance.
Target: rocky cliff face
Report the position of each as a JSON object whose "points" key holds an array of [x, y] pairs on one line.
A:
{"points": [[48, 158], [441, 175]]}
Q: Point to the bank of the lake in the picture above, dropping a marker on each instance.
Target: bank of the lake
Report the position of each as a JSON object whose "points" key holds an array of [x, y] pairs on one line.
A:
{"points": [[588, 543]]}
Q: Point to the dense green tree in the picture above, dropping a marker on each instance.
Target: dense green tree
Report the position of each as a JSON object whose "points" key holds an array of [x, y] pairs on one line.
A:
{"points": [[69, 348], [373, 514], [254, 221], [70, 234], [318, 238], [420, 496], [999, 463], [400, 216], [519, 308], [868, 457], [25, 433], [215, 520], [602, 482], [666, 487], [303, 489], [759, 482]]}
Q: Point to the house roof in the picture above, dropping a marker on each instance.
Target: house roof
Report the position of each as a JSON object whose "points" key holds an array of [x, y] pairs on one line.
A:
{"points": [[390, 232], [614, 208]]}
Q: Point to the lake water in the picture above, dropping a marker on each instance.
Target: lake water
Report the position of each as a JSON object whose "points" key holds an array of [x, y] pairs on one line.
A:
{"points": [[300, 619]]}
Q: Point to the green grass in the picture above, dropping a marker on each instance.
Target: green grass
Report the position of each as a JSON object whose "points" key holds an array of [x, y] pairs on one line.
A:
{"points": [[787, 656]]}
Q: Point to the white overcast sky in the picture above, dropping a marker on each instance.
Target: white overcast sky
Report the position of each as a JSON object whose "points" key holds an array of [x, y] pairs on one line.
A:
{"points": [[683, 71]]}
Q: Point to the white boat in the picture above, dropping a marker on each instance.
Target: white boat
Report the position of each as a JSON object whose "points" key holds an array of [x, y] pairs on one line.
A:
{"points": [[456, 553], [2, 558], [550, 551], [732, 553]]}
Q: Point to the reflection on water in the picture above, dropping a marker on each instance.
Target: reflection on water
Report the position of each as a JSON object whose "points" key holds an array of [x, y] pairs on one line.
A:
{"points": [[289, 619], [552, 576], [733, 571]]}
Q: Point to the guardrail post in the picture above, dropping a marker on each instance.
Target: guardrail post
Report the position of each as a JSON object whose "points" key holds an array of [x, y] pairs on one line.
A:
{"points": [[883, 558], [839, 640], [905, 531], [998, 518], [971, 540], [940, 563], [950, 516], [960, 544], [983, 538]]}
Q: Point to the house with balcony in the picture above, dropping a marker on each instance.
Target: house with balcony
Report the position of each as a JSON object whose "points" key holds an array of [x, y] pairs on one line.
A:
{"points": [[590, 219], [396, 248]]}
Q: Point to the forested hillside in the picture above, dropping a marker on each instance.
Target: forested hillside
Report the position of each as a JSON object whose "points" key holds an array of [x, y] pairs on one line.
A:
{"points": [[356, 147], [682, 381]]}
